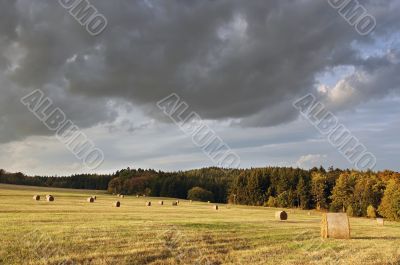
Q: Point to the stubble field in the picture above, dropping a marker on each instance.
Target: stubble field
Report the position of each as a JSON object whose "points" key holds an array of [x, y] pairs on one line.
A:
{"points": [[72, 231]]}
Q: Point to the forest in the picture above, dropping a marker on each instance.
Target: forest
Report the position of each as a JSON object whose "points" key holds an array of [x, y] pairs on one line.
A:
{"points": [[366, 194]]}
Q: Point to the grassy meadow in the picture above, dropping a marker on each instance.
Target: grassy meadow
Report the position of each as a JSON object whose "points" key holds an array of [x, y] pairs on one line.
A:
{"points": [[72, 231]]}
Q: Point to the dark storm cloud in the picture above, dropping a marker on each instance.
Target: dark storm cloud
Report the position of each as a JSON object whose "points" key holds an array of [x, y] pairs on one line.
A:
{"points": [[226, 58]]}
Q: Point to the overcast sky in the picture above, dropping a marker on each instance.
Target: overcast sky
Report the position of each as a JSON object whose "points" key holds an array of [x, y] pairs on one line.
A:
{"points": [[238, 64]]}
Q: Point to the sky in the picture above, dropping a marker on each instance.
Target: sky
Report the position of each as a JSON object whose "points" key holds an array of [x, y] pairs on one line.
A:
{"points": [[239, 65]]}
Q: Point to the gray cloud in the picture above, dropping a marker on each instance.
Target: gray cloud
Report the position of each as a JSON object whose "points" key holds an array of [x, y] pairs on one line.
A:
{"points": [[374, 79], [227, 58]]}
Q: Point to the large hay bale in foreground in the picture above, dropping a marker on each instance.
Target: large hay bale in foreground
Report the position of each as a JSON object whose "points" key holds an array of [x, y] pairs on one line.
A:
{"points": [[281, 215], [380, 221], [215, 207], [335, 225], [117, 204], [90, 199], [36, 197], [49, 198], [148, 204]]}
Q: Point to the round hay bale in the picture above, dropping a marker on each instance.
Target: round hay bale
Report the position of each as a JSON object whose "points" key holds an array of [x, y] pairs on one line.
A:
{"points": [[117, 204], [215, 207], [161, 202], [174, 204], [177, 202], [148, 204], [380, 221], [94, 197], [281, 215], [90, 199], [121, 196], [118, 195], [49, 198], [309, 213], [36, 197], [335, 225]]}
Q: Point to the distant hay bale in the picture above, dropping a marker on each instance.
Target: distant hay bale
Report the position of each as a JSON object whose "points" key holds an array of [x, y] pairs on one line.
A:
{"points": [[121, 196], [118, 195], [335, 225], [49, 198], [177, 202], [117, 204], [309, 213], [90, 199], [94, 197], [161, 202], [380, 221], [281, 215], [215, 207], [174, 204], [36, 197], [148, 203]]}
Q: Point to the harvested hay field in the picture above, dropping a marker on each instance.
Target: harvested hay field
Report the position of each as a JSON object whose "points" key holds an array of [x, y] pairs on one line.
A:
{"points": [[100, 234]]}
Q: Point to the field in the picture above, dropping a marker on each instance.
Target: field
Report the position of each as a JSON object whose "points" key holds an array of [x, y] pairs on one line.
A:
{"points": [[73, 231]]}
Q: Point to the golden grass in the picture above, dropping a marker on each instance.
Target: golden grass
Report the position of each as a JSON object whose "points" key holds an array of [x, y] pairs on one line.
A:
{"points": [[194, 233]]}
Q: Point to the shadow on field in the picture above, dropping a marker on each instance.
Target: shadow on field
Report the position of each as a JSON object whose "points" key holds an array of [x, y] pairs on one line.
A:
{"points": [[377, 237], [298, 222]]}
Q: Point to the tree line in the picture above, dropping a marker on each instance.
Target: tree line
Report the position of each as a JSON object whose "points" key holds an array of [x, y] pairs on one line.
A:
{"points": [[358, 193], [83, 181]]}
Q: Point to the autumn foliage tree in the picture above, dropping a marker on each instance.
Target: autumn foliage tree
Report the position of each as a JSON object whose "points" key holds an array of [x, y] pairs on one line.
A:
{"points": [[343, 192], [390, 206], [318, 189]]}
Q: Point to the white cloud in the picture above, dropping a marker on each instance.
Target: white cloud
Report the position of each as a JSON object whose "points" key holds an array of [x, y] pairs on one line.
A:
{"points": [[311, 160]]}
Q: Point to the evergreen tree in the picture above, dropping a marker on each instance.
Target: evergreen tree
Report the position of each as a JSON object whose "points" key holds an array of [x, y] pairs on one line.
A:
{"points": [[318, 187]]}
